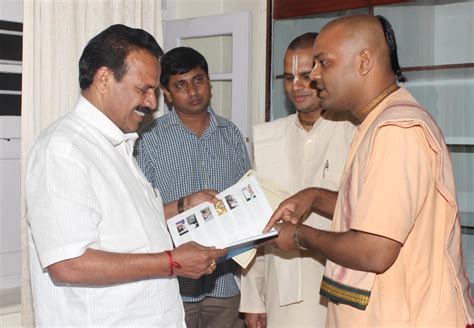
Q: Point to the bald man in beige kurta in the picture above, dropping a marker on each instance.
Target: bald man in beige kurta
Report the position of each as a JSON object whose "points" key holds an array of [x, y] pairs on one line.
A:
{"points": [[424, 287], [394, 254]]}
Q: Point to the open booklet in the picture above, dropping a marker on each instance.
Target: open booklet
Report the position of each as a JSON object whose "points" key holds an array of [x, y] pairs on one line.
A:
{"points": [[235, 222]]}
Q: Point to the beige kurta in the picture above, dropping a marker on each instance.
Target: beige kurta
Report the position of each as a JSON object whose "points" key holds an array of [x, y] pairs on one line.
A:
{"points": [[399, 183], [286, 285]]}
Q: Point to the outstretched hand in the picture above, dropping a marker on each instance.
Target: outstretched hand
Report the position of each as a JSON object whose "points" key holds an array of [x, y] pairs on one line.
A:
{"points": [[196, 260], [284, 240], [293, 209]]}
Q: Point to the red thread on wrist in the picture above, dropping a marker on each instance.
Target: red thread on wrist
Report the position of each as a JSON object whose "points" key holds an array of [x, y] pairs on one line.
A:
{"points": [[172, 262]]}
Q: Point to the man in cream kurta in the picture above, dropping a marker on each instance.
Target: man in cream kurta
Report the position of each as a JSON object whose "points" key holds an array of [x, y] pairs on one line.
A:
{"points": [[285, 285]]}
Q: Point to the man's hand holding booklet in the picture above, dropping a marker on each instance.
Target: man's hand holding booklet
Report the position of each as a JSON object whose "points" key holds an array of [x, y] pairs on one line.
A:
{"points": [[235, 222]]}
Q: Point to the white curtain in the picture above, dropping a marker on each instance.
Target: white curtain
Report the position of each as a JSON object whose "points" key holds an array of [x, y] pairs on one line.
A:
{"points": [[54, 35]]}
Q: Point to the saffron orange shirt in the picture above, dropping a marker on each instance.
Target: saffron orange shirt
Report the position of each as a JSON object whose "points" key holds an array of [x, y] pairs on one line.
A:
{"points": [[398, 198]]}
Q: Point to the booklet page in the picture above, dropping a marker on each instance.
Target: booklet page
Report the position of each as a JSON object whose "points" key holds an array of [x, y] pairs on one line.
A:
{"points": [[238, 218]]}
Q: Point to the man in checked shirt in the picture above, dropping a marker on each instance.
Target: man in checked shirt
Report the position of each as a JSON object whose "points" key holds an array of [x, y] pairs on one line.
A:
{"points": [[189, 154]]}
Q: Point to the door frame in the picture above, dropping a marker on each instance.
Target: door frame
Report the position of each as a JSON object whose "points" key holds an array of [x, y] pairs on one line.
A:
{"points": [[239, 26]]}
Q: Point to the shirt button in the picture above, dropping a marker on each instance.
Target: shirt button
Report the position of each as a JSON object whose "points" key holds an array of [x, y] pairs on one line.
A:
{"points": [[309, 140]]}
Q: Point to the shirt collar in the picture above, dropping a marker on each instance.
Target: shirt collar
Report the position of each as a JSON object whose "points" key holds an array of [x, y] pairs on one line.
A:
{"points": [[374, 113], [214, 119], [367, 109], [93, 116], [300, 126]]}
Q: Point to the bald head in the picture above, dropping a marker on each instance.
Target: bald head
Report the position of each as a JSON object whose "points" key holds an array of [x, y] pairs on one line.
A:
{"points": [[362, 32], [353, 63]]}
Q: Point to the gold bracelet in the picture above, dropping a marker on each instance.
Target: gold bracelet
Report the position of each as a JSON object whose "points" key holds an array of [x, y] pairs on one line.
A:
{"points": [[296, 239], [181, 205]]}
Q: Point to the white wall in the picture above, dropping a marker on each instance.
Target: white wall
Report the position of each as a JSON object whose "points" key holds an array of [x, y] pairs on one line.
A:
{"points": [[11, 10], [10, 246], [181, 9]]}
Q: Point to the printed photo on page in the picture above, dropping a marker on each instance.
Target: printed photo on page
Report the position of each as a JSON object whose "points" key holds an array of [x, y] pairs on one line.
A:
{"points": [[236, 220]]}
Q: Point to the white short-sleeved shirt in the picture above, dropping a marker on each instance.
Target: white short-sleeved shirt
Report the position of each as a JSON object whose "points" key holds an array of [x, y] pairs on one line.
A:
{"points": [[85, 190]]}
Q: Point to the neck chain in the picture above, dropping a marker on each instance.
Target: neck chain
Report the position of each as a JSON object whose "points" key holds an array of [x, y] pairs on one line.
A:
{"points": [[362, 114]]}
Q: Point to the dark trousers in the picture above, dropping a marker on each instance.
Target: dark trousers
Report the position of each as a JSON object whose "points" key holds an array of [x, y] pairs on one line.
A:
{"points": [[214, 313]]}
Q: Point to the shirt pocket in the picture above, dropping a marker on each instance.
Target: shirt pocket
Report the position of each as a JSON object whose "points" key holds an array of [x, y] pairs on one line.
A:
{"points": [[331, 174]]}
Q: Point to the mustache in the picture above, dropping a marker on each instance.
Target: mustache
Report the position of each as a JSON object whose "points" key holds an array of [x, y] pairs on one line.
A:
{"points": [[143, 109]]}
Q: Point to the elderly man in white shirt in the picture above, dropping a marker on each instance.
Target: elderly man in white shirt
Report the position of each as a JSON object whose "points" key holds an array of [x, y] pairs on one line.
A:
{"points": [[309, 148], [100, 253]]}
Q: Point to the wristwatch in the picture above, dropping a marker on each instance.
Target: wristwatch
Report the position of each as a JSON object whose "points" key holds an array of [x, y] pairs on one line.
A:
{"points": [[181, 205], [296, 239]]}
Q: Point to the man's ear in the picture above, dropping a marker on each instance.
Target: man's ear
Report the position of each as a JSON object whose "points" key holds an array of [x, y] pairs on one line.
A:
{"points": [[367, 61], [102, 79], [167, 94], [209, 81]]}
